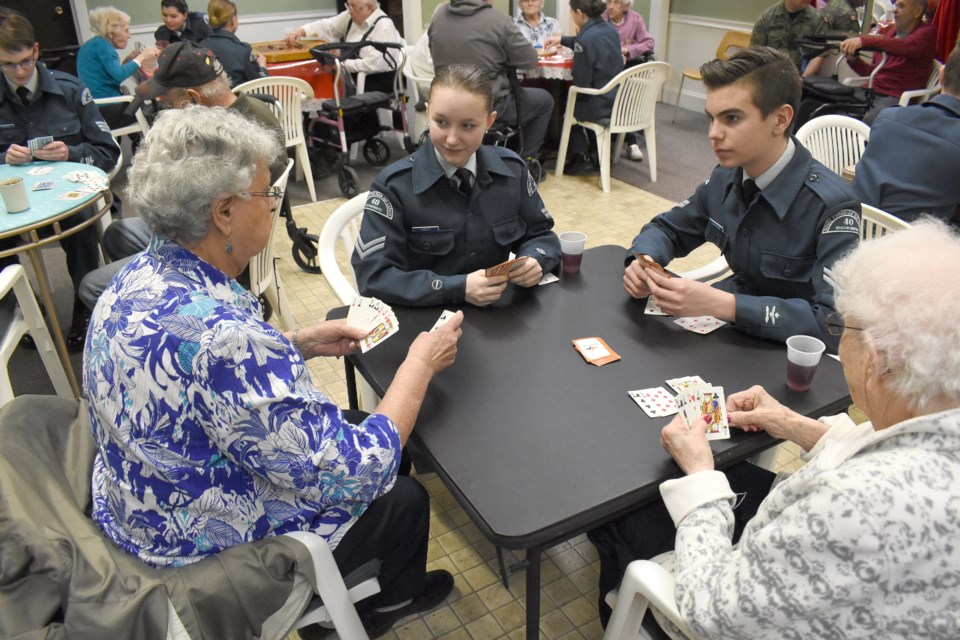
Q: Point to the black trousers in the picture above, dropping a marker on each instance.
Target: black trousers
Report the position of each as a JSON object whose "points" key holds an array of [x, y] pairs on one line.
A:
{"points": [[649, 531]]}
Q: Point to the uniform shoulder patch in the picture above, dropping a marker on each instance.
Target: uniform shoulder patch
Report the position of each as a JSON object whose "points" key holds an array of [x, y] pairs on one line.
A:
{"points": [[843, 221], [379, 204], [86, 97], [531, 185]]}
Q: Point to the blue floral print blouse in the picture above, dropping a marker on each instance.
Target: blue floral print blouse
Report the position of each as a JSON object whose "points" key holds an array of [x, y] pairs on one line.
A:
{"points": [[209, 430]]}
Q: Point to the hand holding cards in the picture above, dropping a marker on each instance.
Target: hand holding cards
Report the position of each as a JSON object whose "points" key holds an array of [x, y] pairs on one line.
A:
{"points": [[504, 268], [695, 398], [374, 316]]}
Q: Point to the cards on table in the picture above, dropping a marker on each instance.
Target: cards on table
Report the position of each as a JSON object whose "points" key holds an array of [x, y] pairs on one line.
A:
{"points": [[92, 182], [504, 268], [653, 309], [38, 143], [595, 351], [442, 320], [700, 324], [374, 316], [73, 195], [548, 278], [43, 185], [655, 402], [40, 171]]}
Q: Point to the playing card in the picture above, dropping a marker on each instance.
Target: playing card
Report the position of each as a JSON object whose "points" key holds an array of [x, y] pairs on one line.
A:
{"points": [[43, 186], [595, 351], [548, 278], [650, 264], [655, 402], [72, 195], [714, 404], [442, 320], [374, 316], [700, 324], [39, 171], [653, 309], [38, 143], [504, 268]]}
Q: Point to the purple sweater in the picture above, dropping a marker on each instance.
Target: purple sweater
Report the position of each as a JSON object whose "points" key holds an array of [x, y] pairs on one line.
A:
{"points": [[633, 34]]}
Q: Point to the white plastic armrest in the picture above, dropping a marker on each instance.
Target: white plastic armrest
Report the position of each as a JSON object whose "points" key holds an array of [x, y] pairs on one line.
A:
{"points": [[856, 81], [907, 96], [716, 269], [114, 100], [650, 583]]}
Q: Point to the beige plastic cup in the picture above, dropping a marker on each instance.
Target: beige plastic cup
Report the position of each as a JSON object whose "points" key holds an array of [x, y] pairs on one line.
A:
{"points": [[571, 250], [14, 194], [803, 356]]}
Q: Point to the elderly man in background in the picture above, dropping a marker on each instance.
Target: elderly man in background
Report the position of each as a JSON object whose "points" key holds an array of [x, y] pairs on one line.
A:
{"points": [[860, 542], [473, 32], [910, 45], [209, 430], [363, 20], [37, 102], [785, 24], [186, 74], [910, 165]]}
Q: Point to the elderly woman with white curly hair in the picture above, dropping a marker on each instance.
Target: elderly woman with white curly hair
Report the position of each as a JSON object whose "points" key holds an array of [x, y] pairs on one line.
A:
{"points": [[861, 541], [98, 63], [210, 432]]}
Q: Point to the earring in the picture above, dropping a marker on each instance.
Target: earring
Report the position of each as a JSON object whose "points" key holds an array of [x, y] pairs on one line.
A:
{"points": [[229, 247]]}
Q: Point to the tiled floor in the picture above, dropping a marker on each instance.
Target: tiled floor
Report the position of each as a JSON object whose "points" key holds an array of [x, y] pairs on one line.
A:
{"points": [[480, 608]]}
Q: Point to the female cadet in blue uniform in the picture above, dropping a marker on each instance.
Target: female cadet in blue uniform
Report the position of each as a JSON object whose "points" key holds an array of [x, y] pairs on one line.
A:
{"points": [[596, 61], [236, 56], [179, 23], [436, 219]]}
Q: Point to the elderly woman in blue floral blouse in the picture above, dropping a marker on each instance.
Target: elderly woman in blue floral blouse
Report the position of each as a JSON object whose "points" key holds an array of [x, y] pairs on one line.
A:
{"points": [[209, 429]]}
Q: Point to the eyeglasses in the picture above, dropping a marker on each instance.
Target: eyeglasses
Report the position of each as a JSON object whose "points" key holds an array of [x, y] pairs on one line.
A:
{"points": [[26, 63], [836, 324], [276, 192]]}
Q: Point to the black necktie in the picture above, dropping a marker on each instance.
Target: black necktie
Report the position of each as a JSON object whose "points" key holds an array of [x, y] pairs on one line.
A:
{"points": [[466, 181], [24, 94], [749, 191]]}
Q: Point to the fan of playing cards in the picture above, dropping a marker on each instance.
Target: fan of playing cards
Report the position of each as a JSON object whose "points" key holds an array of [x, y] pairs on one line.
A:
{"points": [[374, 316], [695, 398]]}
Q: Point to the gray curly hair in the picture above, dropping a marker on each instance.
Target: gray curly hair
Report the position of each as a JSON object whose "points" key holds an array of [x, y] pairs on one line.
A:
{"points": [[903, 290], [190, 158]]}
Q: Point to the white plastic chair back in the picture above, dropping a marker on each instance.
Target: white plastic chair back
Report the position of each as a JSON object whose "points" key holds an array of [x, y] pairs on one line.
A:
{"points": [[922, 95], [645, 584], [290, 93], [264, 279], [875, 223], [418, 87], [343, 225], [836, 141], [25, 317]]}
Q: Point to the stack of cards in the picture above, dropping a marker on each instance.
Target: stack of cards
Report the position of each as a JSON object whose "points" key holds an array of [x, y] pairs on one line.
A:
{"points": [[504, 268], [374, 316], [700, 324], [42, 170], [694, 398], [90, 181], [38, 143], [595, 351]]}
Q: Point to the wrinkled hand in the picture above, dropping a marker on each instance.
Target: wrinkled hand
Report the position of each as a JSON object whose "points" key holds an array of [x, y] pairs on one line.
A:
{"points": [[56, 151], [330, 338], [261, 60], [682, 297], [756, 410], [293, 38], [851, 46], [18, 155], [147, 56], [688, 445], [551, 42], [527, 274], [483, 290], [438, 349], [635, 280]]}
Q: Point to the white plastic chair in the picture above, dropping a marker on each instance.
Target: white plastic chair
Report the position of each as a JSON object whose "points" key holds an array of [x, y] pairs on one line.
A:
{"points": [[140, 125], [290, 92], [836, 141], [25, 317], [645, 584], [418, 87], [875, 223], [264, 279], [344, 225], [634, 109], [922, 95]]}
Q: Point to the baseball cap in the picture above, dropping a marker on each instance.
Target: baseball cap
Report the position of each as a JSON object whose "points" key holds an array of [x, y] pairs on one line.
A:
{"points": [[181, 65]]}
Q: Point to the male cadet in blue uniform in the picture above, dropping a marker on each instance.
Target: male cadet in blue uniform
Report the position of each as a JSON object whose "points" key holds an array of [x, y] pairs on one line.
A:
{"points": [[780, 218], [36, 102]]}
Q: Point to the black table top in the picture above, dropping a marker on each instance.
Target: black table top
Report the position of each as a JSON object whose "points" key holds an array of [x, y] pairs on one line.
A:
{"points": [[537, 444]]}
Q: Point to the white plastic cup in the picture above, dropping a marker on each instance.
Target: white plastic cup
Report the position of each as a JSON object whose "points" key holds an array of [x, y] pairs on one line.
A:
{"points": [[803, 356], [14, 194], [571, 250]]}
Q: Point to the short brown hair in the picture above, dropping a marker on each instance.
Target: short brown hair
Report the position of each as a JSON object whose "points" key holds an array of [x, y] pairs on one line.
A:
{"points": [[16, 32], [466, 77], [773, 78], [219, 12], [951, 73]]}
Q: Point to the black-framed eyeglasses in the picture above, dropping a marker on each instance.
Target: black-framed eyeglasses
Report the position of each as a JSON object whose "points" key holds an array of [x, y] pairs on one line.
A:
{"points": [[276, 192], [836, 324], [26, 63]]}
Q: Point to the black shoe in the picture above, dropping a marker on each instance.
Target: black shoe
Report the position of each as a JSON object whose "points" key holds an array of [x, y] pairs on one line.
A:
{"points": [[580, 163], [77, 335], [436, 588]]}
